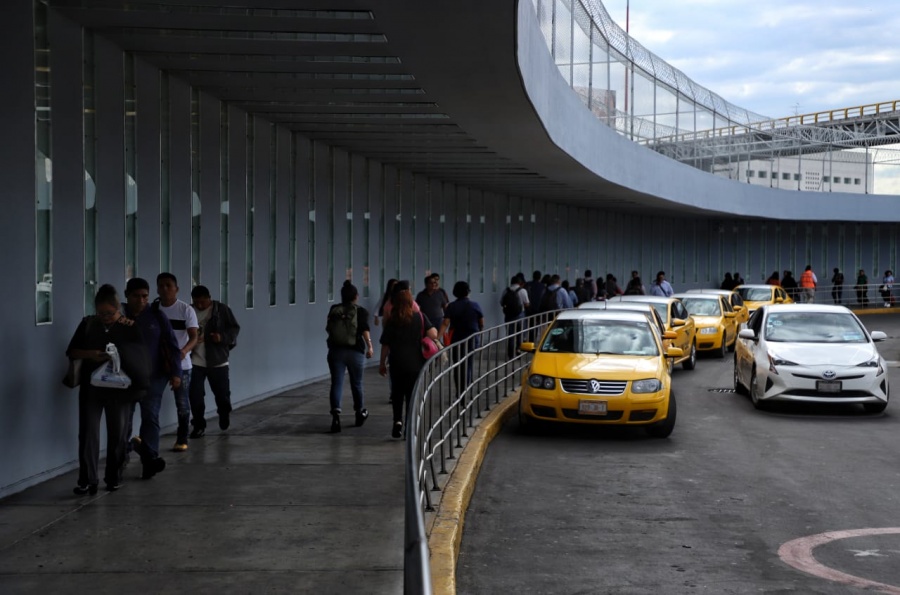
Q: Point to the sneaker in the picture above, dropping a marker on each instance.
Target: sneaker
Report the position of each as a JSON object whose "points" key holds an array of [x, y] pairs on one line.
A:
{"points": [[397, 431], [198, 433], [335, 423], [81, 490], [361, 417], [179, 447], [224, 420]]}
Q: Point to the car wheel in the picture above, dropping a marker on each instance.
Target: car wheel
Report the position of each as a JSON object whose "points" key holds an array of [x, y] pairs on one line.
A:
{"points": [[754, 392], [663, 429], [723, 349], [691, 362], [874, 407], [738, 387]]}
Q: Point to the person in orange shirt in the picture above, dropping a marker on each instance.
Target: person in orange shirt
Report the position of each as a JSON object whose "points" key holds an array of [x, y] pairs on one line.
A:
{"points": [[808, 284]]}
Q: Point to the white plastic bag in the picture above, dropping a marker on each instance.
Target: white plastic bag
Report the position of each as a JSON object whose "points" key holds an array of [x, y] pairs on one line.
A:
{"points": [[110, 374]]}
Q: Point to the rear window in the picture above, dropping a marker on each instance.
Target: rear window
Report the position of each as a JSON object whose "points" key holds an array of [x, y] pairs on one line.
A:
{"points": [[755, 294], [702, 307]]}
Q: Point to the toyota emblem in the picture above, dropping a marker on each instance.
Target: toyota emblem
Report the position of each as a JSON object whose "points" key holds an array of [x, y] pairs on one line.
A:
{"points": [[595, 386], [828, 374]]}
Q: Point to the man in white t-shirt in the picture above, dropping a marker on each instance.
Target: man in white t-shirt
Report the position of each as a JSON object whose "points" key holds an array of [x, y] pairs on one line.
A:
{"points": [[184, 323]]}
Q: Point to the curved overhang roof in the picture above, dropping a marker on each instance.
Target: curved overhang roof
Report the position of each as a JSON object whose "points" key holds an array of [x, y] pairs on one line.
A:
{"points": [[464, 92]]}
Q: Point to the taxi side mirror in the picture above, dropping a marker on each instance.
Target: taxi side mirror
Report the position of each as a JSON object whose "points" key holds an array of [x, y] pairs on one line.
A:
{"points": [[779, 300], [670, 335], [729, 314], [678, 322], [738, 308], [674, 352], [527, 347]]}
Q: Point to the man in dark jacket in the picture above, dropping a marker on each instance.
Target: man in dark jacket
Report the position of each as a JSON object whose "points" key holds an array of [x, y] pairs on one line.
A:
{"points": [[217, 336]]}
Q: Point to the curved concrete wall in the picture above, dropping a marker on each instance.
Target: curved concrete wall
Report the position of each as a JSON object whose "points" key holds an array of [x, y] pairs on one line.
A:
{"points": [[612, 157]]}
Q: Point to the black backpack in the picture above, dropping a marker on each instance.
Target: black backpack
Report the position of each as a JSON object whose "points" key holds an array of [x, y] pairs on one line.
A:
{"points": [[341, 325], [548, 302], [511, 304]]}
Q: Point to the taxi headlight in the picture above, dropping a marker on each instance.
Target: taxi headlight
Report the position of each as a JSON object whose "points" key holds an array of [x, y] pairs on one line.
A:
{"points": [[540, 381], [649, 385], [709, 330]]}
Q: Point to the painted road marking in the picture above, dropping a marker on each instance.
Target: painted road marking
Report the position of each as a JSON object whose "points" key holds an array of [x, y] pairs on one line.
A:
{"points": [[799, 554]]}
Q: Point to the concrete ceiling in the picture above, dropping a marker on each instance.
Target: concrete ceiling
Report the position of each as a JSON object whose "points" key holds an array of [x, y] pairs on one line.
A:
{"points": [[432, 87]]}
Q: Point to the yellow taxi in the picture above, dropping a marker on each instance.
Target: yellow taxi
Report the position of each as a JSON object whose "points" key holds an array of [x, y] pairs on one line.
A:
{"points": [[741, 314], [759, 295], [599, 367], [715, 320], [676, 319]]}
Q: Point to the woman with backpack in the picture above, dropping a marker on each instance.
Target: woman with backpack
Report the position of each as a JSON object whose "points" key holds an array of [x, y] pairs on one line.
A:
{"points": [[401, 346], [349, 344], [466, 319]]}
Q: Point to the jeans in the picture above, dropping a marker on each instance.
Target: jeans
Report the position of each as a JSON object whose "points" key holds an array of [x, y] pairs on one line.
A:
{"points": [[183, 406], [515, 336], [219, 384], [91, 406], [351, 360], [150, 406]]}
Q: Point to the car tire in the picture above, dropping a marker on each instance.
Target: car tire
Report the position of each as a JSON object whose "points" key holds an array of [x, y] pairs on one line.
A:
{"points": [[738, 387], [691, 362], [723, 349], [874, 407], [663, 429], [754, 392]]}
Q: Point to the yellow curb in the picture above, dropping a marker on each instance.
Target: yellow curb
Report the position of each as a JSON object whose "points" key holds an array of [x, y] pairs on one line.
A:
{"points": [[876, 311], [447, 529]]}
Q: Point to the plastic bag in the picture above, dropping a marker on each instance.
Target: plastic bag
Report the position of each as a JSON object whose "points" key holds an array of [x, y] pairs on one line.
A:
{"points": [[110, 374]]}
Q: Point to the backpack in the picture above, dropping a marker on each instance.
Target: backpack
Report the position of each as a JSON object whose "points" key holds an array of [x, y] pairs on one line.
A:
{"points": [[511, 304], [536, 291], [341, 326], [548, 302]]}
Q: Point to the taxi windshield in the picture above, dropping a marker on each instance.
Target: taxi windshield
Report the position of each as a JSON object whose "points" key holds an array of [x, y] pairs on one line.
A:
{"points": [[755, 294], [615, 337], [814, 327], [702, 306]]}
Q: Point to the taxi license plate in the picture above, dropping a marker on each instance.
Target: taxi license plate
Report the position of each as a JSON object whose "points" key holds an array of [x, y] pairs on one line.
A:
{"points": [[592, 407], [828, 386]]}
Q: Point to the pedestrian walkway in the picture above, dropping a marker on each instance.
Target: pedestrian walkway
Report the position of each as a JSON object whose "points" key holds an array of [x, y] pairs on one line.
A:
{"points": [[274, 505]]}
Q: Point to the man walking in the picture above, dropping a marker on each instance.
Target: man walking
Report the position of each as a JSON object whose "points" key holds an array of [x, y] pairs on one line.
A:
{"points": [[184, 323], [808, 283], [165, 368], [661, 287], [217, 335], [433, 300], [514, 302]]}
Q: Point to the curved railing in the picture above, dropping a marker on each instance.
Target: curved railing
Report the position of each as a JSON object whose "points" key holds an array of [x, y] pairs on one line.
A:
{"points": [[444, 409]]}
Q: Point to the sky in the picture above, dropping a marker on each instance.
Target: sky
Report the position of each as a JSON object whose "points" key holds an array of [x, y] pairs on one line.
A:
{"points": [[776, 58]]}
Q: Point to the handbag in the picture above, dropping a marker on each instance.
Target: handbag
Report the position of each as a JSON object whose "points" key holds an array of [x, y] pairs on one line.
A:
{"points": [[73, 374], [110, 374], [429, 347]]}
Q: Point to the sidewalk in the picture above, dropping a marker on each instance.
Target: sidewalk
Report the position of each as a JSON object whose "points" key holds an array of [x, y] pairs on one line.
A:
{"points": [[274, 505]]}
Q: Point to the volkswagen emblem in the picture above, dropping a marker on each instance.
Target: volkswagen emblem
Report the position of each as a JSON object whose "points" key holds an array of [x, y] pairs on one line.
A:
{"points": [[595, 386], [828, 374]]}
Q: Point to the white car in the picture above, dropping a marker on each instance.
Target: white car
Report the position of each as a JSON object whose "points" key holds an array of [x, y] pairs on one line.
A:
{"points": [[810, 353]]}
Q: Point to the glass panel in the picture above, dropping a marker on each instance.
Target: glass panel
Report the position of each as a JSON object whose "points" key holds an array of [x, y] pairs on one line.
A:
{"points": [[643, 104], [292, 224], [224, 203], [349, 218], [562, 38], [131, 187], [195, 187], [329, 252], [273, 214], [165, 205], [618, 79], [581, 53], [367, 216], [43, 169], [686, 115], [311, 231], [251, 207], [666, 110], [90, 174]]}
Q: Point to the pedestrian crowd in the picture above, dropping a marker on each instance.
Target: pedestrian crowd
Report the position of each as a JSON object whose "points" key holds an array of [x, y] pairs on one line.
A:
{"points": [[127, 354]]}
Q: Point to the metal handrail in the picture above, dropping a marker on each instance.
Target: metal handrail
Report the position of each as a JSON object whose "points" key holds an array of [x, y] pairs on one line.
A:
{"points": [[441, 416]]}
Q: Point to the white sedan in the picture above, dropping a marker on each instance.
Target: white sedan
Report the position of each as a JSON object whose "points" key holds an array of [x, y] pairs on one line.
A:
{"points": [[810, 353]]}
